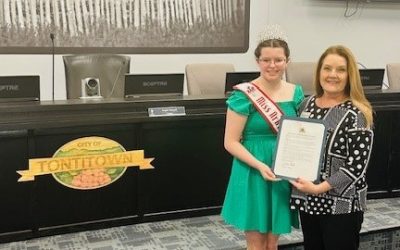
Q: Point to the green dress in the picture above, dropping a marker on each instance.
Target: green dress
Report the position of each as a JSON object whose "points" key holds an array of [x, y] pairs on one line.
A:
{"points": [[251, 203]]}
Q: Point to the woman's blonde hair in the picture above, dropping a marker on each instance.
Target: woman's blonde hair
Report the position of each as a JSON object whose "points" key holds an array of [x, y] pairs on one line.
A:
{"points": [[353, 89]]}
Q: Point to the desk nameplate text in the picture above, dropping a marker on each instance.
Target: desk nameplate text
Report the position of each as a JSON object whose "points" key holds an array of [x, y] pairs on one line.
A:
{"points": [[167, 111]]}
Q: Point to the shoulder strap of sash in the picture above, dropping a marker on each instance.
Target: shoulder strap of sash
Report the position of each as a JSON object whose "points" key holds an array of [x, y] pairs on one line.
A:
{"points": [[268, 109]]}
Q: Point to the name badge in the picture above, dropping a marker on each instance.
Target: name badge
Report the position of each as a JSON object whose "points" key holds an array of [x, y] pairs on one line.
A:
{"points": [[305, 114]]}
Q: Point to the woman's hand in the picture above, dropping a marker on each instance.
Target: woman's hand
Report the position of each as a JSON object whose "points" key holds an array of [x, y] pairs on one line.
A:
{"points": [[308, 187], [305, 186]]}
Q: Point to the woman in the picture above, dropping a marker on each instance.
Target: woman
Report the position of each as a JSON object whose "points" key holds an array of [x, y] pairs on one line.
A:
{"points": [[331, 211], [256, 202]]}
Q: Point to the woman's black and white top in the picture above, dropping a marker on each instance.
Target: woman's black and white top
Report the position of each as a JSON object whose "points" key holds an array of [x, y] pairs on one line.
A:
{"points": [[344, 163]]}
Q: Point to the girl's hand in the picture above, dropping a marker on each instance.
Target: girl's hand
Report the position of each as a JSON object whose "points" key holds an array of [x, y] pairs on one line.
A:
{"points": [[267, 174]]}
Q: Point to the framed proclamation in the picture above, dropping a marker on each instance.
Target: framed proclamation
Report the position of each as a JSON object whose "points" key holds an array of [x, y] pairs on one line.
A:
{"points": [[299, 148]]}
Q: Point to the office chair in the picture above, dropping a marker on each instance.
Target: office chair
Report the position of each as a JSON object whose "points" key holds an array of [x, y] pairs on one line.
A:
{"points": [[393, 75], [301, 73], [104, 74], [207, 78]]}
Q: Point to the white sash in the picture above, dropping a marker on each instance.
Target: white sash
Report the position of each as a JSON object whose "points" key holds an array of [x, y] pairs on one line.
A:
{"points": [[267, 108]]}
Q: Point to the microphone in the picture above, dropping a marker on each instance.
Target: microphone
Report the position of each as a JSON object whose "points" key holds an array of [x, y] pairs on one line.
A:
{"points": [[116, 79], [362, 65], [52, 64]]}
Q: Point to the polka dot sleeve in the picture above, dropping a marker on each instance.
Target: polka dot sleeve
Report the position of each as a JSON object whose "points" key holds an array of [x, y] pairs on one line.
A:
{"points": [[358, 142]]}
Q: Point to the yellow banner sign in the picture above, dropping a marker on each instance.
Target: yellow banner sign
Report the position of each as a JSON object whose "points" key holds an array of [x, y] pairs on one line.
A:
{"points": [[87, 163], [42, 166]]}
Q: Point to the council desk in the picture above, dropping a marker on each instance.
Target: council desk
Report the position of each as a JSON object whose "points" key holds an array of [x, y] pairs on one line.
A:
{"points": [[191, 166]]}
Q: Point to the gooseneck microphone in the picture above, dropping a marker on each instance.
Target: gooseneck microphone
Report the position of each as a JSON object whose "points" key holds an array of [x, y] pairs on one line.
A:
{"points": [[52, 64], [116, 79]]}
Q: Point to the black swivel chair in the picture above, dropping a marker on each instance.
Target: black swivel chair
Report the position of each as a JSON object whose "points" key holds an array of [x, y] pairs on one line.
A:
{"points": [[107, 70]]}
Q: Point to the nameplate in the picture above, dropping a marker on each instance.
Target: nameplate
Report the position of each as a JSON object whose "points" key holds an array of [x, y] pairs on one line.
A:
{"points": [[167, 111], [19, 88]]}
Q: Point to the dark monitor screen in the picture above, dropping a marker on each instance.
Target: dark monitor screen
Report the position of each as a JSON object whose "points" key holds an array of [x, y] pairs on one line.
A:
{"points": [[233, 78], [20, 88], [372, 78], [147, 84]]}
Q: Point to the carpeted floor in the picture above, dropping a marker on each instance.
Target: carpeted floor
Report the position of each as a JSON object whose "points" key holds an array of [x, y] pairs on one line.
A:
{"points": [[381, 231]]}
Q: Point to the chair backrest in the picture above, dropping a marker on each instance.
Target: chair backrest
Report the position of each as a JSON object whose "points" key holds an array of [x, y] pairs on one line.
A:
{"points": [[108, 68], [302, 73], [393, 75], [207, 78]]}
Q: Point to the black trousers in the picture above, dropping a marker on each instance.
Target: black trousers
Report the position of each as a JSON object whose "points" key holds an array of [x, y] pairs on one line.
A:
{"points": [[331, 232]]}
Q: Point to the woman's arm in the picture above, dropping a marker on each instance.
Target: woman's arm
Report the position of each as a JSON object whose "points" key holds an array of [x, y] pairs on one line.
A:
{"points": [[358, 146]]}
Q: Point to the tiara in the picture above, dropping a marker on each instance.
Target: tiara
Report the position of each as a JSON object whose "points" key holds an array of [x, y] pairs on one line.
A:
{"points": [[273, 31]]}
